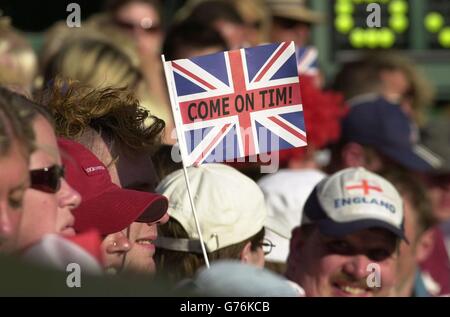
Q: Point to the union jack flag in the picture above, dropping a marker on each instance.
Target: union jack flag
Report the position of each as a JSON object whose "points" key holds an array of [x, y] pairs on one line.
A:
{"points": [[307, 60], [236, 103]]}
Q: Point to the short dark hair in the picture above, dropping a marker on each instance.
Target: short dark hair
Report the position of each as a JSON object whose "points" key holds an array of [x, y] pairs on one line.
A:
{"points": [[356, 78], [407, 185], [190, 34]]}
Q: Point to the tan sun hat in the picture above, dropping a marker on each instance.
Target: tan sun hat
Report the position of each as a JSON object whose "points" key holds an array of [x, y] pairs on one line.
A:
{"points": [[295, 10]]}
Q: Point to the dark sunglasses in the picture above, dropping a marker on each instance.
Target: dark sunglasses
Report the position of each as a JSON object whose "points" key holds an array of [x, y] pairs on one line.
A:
{"points": [[47, 179], [288, 23], [130, 26]]}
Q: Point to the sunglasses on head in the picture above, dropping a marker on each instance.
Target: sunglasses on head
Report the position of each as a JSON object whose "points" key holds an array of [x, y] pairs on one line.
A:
{"points": [[47, 179], [131, 26]]}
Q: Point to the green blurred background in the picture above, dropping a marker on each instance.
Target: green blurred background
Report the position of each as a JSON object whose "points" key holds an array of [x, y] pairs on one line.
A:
{"points": [[420, 28]]}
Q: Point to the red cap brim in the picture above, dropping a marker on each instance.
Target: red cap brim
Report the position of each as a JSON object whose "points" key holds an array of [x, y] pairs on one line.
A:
{"points": [[114, 210]]}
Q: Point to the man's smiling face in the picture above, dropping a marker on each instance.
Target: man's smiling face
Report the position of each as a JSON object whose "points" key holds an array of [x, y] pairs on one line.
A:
{"points": [[331, 266]]}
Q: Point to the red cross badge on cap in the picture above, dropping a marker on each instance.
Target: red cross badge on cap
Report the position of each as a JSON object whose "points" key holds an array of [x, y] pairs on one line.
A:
{"points": [[365, 187]]}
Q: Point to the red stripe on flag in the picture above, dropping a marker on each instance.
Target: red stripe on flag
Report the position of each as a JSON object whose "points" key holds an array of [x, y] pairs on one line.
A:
{"points": [[218, 135], [272, 61], [245, 122], [288, 128], [183, 70]]}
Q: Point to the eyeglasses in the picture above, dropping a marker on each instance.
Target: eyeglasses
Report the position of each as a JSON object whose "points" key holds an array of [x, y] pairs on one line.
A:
{"points": [[131, 26], [267, 246], [47, 179]]}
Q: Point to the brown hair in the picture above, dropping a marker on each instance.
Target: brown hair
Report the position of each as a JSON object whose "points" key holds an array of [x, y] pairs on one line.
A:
{"points": [[415, 192], [112, 112], [177, 265], [163, 161], [357, 78]]}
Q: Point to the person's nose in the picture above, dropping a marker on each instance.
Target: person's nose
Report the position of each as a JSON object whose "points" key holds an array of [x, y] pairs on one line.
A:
{"points": [[357, 266], [119, 244], [68, 197]]}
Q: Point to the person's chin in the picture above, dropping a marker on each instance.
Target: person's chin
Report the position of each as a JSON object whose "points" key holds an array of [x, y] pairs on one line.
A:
{"points": [[142, 261], [147, 267]]}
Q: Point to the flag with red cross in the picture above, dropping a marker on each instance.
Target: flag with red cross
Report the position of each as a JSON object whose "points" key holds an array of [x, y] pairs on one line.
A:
{"points": [[237, 103]]}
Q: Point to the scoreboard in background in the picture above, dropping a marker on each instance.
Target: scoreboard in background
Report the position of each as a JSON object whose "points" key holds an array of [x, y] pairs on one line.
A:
{"points": [[350, 28], [437, 23], [400, 19], [419, 28]]}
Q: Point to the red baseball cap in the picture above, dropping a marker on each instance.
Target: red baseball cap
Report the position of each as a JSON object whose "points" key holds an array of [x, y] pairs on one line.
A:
{"points": [[105, 206]]}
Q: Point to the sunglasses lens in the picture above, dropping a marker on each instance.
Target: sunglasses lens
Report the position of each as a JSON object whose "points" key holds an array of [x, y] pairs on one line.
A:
{"points": [[47, 179], [130, 27]]}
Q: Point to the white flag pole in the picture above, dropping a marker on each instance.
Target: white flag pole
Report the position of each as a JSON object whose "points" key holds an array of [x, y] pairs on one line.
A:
{"points": [[178, 125]]}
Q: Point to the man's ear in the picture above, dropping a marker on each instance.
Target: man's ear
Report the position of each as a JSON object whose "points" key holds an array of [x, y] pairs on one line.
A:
{"points": [[246, 253], [295, 244], [425, 245], [352, 155]]}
